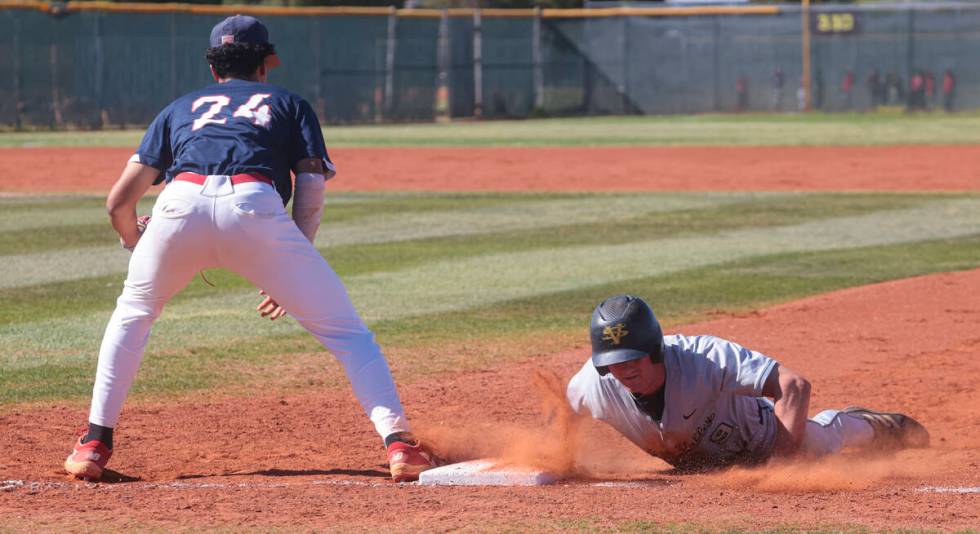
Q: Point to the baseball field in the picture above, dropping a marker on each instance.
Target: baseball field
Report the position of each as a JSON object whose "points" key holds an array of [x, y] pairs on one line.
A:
{"points": [[845, 246]]}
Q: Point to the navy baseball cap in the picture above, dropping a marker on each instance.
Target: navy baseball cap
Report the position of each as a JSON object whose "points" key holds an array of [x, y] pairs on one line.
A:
{"points": [[242, 29]]}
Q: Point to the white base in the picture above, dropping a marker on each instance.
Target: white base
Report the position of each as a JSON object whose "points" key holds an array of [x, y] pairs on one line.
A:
{"points": [[483, 473]]}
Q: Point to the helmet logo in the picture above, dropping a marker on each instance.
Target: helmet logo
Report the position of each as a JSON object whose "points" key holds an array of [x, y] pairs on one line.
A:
{"points": [[615, 333]]}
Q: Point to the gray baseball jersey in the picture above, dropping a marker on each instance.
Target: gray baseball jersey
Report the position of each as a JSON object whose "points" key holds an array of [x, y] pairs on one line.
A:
{"points": [[713, 414]]}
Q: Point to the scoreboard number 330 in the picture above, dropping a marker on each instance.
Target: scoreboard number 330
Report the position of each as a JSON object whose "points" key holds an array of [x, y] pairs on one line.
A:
{"points": [[835, 23]]}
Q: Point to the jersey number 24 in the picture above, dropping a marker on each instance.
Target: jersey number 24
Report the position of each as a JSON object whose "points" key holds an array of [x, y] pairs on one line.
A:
{"points": [[252, 110]]}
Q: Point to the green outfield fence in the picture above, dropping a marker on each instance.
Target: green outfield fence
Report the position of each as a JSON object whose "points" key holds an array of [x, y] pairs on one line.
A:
{"points": [[98, 65]]}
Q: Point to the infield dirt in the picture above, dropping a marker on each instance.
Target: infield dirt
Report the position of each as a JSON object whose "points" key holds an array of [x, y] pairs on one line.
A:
{"points": [[310, 461]]}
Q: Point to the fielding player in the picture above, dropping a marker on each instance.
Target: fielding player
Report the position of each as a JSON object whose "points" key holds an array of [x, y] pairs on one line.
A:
{"points": [[700, 402], [226, 153]]}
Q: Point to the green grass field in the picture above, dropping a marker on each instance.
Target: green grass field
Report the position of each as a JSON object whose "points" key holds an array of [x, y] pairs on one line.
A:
{"points": [[479, 279], [880, 128]]}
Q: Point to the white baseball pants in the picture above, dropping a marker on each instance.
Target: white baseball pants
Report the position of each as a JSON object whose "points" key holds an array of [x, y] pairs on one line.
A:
{"points": [[831, 431], [243, 228]]}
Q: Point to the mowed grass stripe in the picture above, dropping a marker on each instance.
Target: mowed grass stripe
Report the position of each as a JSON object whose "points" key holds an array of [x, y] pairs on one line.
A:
{"points": [[473, 338], [471, 282], [518, 216], [60, 299], [61, 264], [476, 281], [28, 213], [385, 218]]}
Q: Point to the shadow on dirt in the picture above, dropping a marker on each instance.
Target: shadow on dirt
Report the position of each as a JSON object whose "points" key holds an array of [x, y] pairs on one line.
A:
{"points": [[375, 473], [115, 477]]}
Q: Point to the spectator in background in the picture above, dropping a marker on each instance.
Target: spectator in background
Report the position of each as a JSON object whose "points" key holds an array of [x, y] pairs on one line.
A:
{"points": [[917, 92], [847, 89], [801, 96], [949, 90], [930, 90], [818, 89], [778, 81], [875, 84], [741, 93], [895, 91]]}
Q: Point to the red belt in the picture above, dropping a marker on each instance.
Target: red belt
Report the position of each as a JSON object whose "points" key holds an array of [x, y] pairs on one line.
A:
{"points": [[235, 178]]}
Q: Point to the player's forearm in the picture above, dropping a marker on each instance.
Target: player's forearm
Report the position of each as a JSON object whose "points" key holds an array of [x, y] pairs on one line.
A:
{"points": [[123, 198], [791, 410], [308, 203]]}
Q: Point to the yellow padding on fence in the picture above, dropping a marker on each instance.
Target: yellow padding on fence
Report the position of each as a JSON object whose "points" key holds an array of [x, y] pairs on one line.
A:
{"points": [[423, 13], [661, 11]]}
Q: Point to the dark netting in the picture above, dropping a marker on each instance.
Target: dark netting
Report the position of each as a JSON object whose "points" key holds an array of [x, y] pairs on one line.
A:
{"points": [[598, 43], [758, 62], [672, 64], [345, 65], [508, 68], [95, 69], [460, 75], [10, 57], [946, 42], [849, 67], [416, 69]]}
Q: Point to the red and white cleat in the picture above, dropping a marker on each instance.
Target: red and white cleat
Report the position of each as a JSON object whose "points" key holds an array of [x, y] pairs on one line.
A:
{"points": [[88, 460], [408, 461]]}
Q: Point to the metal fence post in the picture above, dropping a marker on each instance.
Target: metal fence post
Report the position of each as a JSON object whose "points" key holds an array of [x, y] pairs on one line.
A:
{"points": [[100, 73], [537, 59], [317, 71], [716, 63], [805, 22], [390, 45], [911, 45], [18, 105], [442, 69], [55, 92], [477, 64], [173, 56], [625, 87]]}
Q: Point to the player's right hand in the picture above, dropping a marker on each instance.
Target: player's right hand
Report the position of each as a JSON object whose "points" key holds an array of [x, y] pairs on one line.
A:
{"points": [[269, 307], [141, 223]]}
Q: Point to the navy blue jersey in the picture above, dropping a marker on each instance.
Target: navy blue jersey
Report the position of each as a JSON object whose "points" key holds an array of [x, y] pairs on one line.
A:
{"points": [[235, 127]]}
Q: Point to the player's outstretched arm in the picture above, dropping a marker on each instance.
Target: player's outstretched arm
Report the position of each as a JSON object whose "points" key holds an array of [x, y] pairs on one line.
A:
{"points": [[791, 394], [135, 180]]}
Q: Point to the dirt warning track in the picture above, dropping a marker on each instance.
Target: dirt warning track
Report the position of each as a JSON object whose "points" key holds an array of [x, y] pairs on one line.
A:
{"points": [[899, 168]]}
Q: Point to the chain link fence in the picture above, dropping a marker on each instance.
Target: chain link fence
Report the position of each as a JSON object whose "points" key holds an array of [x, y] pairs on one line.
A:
{"points": [[116, 65]]}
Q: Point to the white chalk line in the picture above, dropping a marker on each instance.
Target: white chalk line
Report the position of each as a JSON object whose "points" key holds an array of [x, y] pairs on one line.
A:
{"points": [[36, 486], [947, 489]]}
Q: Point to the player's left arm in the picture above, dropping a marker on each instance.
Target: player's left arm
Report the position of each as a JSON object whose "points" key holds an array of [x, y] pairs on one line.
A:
{"points": [[791, 394], [135, 180], [308, 199], [312, 168], [307, 210]]}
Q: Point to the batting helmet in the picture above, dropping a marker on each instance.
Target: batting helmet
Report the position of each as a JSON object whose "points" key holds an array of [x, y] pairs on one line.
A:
{"points": [[623, 329]]}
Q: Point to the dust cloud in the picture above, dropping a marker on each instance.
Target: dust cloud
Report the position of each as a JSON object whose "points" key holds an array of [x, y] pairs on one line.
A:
{"points": [[573, 446], [563, 442], [832, 473]]}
